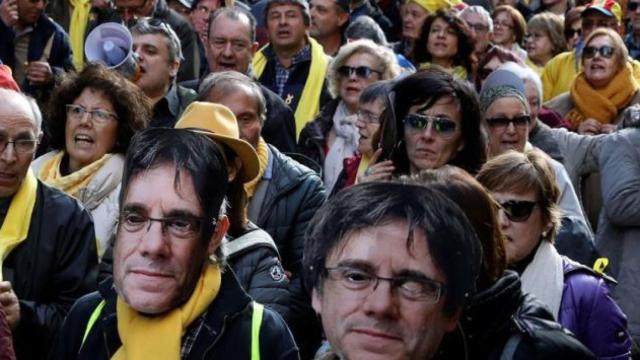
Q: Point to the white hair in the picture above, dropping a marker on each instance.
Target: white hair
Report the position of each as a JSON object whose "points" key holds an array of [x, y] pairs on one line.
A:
{"points": [[526, 74], [28, 102], [476, 9]]}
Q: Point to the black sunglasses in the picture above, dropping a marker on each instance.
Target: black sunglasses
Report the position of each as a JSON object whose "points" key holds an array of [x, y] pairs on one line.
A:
{"points": [[439, 125], [569, 33], [518, 211], [363, 72], [632, 5], [502, 122], [605, 51]]}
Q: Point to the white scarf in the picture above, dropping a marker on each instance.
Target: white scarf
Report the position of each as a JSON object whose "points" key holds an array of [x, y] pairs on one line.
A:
{"points": [[344, 146], [544, 277]]}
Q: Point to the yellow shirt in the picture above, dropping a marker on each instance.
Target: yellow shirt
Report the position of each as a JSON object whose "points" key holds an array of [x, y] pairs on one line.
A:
{"points": [[534, 67]]}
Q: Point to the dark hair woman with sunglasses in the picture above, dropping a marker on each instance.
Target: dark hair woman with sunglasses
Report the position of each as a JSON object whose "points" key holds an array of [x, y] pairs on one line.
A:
{"points": [[603, 89], [333, 136], [524, 186]]}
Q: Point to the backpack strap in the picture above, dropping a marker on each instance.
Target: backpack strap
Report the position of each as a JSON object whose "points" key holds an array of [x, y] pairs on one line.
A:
{"points": [[92, 320], [510, 347], [256, 323], [252, 238]]}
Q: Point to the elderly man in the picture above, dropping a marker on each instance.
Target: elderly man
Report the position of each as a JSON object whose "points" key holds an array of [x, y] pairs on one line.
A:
{"points": [[328, 19], [282, 199], [169, 299], [481, 26], [389, 267], [48, 257]]}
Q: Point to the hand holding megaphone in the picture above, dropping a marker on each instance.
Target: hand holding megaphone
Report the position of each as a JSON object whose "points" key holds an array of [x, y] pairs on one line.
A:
{"points": [[111, 45]]}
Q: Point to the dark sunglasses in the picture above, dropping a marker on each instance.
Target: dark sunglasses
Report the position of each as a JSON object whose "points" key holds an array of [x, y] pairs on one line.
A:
{"points": [[363, 72], [569, 33], [605, 51], [632, 5], [518, 211], [502, 122], [440, 125]]}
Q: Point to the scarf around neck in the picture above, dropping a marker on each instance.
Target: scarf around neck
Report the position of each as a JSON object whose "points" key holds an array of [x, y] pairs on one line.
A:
{"points": [[70, 184], [263, 160], [159, 337], [345, 145], [601, 104], [544, 277]]}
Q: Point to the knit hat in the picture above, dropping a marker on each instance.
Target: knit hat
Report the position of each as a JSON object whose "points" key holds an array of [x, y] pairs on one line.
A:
{"points": [[500, 84], [606, 7], [218, 122], [302, 3], [434, 5]]}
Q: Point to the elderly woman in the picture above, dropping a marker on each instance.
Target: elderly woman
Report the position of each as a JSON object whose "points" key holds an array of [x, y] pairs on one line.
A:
{"points": [[524, 186], [445, 40], [603, 89], [332, 136], [544, 40], [432, 120], [573, 27], [92, 117], [509, 28]]}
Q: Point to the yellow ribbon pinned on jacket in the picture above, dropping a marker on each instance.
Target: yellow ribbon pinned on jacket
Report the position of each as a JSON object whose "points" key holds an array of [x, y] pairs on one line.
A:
{"points": [[309, 104], [600, 265], [15, 227], [77, 27], [159, 337]]}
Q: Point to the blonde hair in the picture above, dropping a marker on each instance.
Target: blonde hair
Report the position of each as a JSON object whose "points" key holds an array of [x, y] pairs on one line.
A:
{"points": [[621, 52], [551, 25]]}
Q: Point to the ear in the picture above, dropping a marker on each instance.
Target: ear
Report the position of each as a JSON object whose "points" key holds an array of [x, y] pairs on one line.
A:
{"points": [[254, 48], [343, 18], [316, 301], [547, 228], [174, 68], [452, 321], [216, 238]]}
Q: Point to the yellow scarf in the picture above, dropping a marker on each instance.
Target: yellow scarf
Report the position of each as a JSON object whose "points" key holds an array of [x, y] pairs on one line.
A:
{"points": [[603, 104], [159, 337], [15, 227], [72, 183], [263, 159], [309, 104], [77, 27]]}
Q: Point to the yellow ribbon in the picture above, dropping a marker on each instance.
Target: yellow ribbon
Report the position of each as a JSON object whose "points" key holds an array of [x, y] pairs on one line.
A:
{"points": [[77, 27]]}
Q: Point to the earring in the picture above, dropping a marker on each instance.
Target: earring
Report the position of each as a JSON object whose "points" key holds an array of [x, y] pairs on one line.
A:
{"points": [[544, 234]]}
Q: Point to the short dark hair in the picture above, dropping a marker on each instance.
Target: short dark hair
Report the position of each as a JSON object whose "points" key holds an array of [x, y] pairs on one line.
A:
{"points": [[188, 151], [234, 13], [451, 240], [375, 92], [129, 103], [364, 27], [427, 87]]}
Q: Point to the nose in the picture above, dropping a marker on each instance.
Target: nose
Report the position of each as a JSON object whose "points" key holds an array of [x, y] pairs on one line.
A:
{"points": [[8, 155], [503, 220], [380, 303], [153, 243], [227, 50], [511, 128]]}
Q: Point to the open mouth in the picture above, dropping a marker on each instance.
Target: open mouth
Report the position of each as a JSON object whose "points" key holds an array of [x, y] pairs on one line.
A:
{"points": [[82, 139]]}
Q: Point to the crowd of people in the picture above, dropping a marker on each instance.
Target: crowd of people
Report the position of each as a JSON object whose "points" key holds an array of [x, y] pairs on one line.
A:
{"points": [[319, 179]]}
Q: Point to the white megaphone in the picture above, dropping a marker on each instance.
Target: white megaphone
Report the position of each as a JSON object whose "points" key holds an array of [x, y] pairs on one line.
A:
{"points": [[111, 44]]}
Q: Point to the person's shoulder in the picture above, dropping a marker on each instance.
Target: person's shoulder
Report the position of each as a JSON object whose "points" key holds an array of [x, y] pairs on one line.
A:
{"points": [[60, 206]]}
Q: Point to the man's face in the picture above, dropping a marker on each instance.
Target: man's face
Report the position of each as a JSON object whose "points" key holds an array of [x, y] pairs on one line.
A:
{"points": [[230, 47], [479, 30], [200, 15], [156, 71], [154, 269], [16, 123], [378, 322], [413, 17], [29, 11], [595, 19], [244, 105], [286, 27], [326, 18], [130, 10]]}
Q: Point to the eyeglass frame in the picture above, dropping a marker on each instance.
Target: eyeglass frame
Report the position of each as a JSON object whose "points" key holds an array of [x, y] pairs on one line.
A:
{"points": [[353, 70], [491, 122], [92, 114], [164, 223], [503, 206], [586, 52], [367, 117], [13, 142], [430, 125]]}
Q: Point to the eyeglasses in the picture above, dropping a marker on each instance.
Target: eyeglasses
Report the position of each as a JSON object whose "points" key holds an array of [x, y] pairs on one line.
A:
{"points": [[412, 288], [98, 117], [441, 126], [21, 146], [589, 52], [368, 117], [518, 211], [502, 24], [569, 33], [478, 27], [363, 72], [519, 121], [633, 5], [221, 43], [180, 227]]}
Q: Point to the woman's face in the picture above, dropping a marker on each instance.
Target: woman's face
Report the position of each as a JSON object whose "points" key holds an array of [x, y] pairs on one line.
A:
{"points": [[573, 34], [507, 130], [365, 70], [89, 136], [503, 33], [442, 43], [436, 142], [524, 235], [539, 47], [598, 68], [368, 123]]}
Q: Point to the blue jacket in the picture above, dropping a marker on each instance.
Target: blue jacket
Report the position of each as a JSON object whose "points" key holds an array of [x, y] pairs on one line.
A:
{"points": [[588, 310]]}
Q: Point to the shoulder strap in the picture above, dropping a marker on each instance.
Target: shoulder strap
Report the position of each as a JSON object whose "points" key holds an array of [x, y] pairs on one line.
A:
{"points": [[510, 347], [256, 323], [92, 320], [250, 239]]}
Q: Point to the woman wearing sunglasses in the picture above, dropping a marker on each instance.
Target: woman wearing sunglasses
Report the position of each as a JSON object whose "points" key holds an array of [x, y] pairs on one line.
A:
{"points": [[333, 136], [603, 89], [445, 40], [524, 186]]}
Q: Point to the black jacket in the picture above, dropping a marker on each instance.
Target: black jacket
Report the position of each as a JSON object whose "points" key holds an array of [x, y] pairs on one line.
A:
{"points": [[53, 267], [292, 197], [503, 313], [226, 332], [313, 136]]}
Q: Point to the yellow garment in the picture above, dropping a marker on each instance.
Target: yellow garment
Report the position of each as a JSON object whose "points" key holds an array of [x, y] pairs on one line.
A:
{"points": [[263, 159], [434, 5], [15, 227], [309, 104], [534, 67], [601, 104], [77, 180], [559, 72], [363, 166], [159, 337], [458, 72], [77, 27]]}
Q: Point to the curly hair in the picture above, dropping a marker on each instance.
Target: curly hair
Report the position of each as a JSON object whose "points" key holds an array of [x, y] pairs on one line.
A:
{"points": [[130, 104], [464, 56]]}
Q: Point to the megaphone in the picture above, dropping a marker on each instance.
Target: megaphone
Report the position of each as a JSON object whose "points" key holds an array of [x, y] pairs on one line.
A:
{"points": [[110, 44]]}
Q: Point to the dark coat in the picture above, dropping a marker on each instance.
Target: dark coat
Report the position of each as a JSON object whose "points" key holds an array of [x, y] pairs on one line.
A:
{"points": [[168, 110], [502, 312], [226, 332], [53, 267], [313, 137]]}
